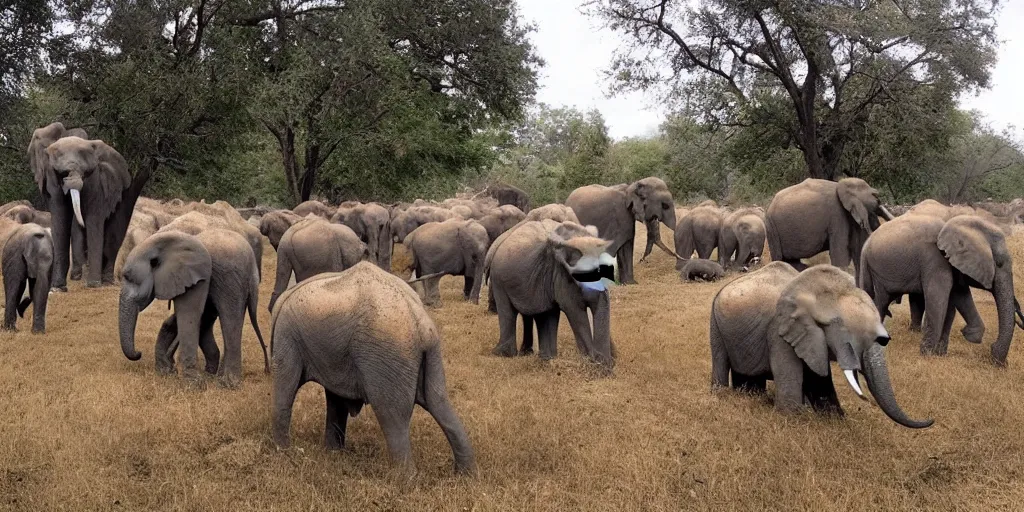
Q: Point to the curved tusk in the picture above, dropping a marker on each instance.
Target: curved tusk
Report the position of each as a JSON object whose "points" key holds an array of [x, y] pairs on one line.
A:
{"points": [[886, 214], [851, 377], [76, 204]]}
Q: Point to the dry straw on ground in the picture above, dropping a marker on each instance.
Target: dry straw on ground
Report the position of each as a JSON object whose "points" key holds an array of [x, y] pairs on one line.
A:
{"points": [[82, 428]]}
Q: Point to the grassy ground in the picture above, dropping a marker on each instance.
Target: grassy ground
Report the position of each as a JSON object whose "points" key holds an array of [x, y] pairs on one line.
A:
{"points": [[82, 428]]}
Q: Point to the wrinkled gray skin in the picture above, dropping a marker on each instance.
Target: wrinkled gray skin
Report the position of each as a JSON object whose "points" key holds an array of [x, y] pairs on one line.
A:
{"points": [[940, 262], [818, 215], [315, 207], [703, 270], [741, 240], [500, 220], [615, 210], [509, 195], [85, 182], [698, 231], [372, 224], [27, 262], [530, 273], [454, 247], [274, 224], [777, 324], [313, 246], [364, 336], [405, 221], [208, 276]]}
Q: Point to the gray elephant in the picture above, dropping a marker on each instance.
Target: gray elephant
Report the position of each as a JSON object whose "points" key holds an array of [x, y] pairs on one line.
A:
{"points": [[543, 269], [454, 247], [27, 261], [274, 224], [698, 231], [23, 213], [778, 324], [364, 336], [316, 208], [508, 195], [555, 212], [372, 223], [195, 222], [818, 215], [940, 262], [208, 276], [615, 210], [500, 220], [741, 239], [88, 181], [405, 221], [704, 270], [313, 246]]}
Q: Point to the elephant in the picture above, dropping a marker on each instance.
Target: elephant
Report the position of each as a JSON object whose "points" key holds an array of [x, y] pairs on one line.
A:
{"points": [[315, 207], [698, 231], [542, 269], [89, 181], [508, 195], [936, 209], [743, 236], [313, 246], [555, 212], [779, 324], [372, 224], [27, 262], [470, 208], [275, 223], [817, 215], [700, 269], [500, 220], [940, 262], [208, 276], [194, 222], [404, 222], [614, 211], [23, 213], [365, 337], [453, 247]]}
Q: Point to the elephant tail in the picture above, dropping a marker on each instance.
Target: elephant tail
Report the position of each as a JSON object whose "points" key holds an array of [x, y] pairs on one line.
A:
{"points": [[251, 306]]}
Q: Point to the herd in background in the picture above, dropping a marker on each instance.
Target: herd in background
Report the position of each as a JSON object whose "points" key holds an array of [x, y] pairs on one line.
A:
{"points": [[363, 333]]}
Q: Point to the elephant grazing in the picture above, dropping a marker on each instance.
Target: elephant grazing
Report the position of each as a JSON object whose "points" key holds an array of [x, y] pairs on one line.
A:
{"points": [[453, 247], [208, 276], [274, 224], [614, 211], [742, 235], [540, 270], [704, 270], [699, 231], [940, 262], [817, 215], [364, 336], [27, 261]]}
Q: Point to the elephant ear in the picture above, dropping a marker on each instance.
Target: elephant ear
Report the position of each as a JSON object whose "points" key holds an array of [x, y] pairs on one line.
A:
{"points": [[181, 263], [111, 175], [849, 196], [39, 160], [968, 250], [800, 321], [636, 195], [564, 253]]}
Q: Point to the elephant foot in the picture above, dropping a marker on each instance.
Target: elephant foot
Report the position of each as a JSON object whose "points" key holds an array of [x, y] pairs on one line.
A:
{"points": [[548, 357], [504, 352], [914, 328], [165, 369], [932, 351], [230, 381], [76, 274], [212, 367], [39, 330], [93, 284], [973, 335], [108, 281], [628, 282], [59, 289], [194, 381], [526, 351]]}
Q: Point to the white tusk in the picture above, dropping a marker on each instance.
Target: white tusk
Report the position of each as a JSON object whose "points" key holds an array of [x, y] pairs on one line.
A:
{"points": [[851, 377], [76, 204]]}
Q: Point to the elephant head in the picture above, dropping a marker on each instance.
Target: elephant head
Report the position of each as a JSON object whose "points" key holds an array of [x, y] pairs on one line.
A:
{"points": [[39, 160], [74, 160], [977, 248], [650, 202], [861, 201], [823, 316], [163, 267]]}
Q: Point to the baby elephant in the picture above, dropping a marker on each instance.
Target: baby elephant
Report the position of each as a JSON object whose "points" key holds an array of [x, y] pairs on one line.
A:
{"points": [[700, 269], [365, 337], [27, 261]]}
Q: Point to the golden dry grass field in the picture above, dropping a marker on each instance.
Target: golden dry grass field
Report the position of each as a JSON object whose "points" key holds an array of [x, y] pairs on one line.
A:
{"points": [[82, 428]]}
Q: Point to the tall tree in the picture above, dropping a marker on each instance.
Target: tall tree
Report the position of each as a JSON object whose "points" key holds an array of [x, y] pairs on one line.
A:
{"points": [[833, 61]]}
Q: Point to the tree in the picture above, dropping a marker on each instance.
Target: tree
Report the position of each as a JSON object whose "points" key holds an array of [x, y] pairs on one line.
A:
{"points": [[832, 61], [24, 25]]}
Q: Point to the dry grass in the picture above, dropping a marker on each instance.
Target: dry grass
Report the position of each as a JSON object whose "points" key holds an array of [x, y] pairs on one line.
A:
{"points": [[85, 429]]}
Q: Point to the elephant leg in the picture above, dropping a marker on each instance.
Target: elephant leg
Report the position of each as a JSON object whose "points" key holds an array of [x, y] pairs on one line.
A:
{"points": [[748, 384], [467, 286], [386, 392], [547, 333], [788, 372], [821, 392], [207, 344], [492, 307], [78, 254], [60, 213], [94, 253], [14, 289], [336, 422], [506, 326], [527, 346], [974, 331], [796, 264], [188, 308], [582, 330], [39, 293], [433, 396], [882, 301], [231, 330], [624, 261], [164, 338], [432, 291], [937, 299], [107, 273], [288, 370], [719, 358], [916, 301]]}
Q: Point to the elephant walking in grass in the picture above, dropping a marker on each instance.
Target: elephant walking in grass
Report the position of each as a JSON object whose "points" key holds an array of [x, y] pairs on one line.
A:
{"points": [[27, 260], [778, 324], [365, 337], [940, 262], [698, 231], [453, 247]]}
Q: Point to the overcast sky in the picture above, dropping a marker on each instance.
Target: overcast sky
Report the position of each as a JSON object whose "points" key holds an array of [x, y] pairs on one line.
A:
{"points": [[577, 50]]}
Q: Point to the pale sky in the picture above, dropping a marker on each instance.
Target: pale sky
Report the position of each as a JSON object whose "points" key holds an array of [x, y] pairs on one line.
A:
{"points": [[577, 50]]}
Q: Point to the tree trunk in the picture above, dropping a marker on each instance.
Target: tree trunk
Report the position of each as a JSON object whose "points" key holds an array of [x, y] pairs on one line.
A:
{"points": [[309, 174], [286, 144]]}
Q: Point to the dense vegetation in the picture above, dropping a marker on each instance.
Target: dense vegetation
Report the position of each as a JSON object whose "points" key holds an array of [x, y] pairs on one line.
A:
{"points": [[275, 101]]}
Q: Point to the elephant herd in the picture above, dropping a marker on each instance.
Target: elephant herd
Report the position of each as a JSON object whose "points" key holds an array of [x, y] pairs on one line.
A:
{"points": [[342, 319]]}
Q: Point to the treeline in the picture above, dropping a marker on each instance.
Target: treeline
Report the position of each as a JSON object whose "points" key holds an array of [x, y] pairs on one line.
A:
{"points": [[274, 101]]}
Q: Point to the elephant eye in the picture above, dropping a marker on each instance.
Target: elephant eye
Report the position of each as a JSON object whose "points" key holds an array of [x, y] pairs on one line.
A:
{"points": [[665, 206], [155, 262]]}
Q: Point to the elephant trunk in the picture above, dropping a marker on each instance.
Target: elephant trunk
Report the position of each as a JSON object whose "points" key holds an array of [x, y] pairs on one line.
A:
{"points": [[603, 349], [1008, 308], [876, 372], [127, 318]]}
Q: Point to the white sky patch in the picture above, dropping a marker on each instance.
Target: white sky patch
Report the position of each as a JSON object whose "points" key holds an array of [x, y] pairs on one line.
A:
{"points": [[577, 50]]}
